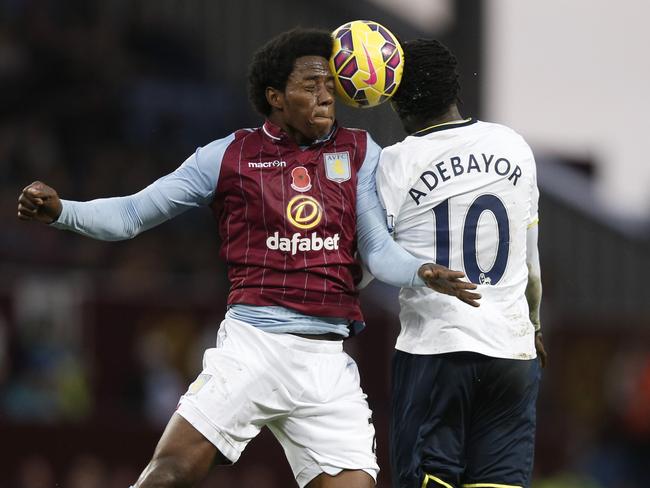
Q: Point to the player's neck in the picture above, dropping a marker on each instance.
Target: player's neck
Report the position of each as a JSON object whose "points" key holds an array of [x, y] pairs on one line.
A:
{"points": [[451, 115], [291, 132]]}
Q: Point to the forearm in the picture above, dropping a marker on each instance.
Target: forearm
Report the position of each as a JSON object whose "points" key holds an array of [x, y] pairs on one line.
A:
{"points": [[534, 299], [385, 259], [534, 285], [112, 219], [106, 219]]}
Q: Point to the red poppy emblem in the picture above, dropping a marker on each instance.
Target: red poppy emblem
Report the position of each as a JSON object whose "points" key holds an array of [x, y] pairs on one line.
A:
{"points": [[300, 179]]}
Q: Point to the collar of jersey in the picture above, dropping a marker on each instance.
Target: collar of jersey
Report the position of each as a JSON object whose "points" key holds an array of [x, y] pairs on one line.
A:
{"points": [[279, 136], [444, 126]]}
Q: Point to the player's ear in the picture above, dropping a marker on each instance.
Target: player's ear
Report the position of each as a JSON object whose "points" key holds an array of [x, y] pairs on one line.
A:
{"points": [[275, 98]]}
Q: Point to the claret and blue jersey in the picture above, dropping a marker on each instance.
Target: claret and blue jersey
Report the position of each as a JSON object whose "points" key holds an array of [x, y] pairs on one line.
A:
{"points": [[287, 219]]}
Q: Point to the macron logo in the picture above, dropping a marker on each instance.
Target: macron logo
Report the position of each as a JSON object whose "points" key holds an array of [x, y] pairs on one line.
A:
{"points": [[268, 164]]}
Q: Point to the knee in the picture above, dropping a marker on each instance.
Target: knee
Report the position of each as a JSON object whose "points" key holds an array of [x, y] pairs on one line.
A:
{"points": [[166, 472]]}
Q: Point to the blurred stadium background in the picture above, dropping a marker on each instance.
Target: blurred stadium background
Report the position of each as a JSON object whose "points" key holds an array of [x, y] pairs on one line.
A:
{"points": [[98, 340]]}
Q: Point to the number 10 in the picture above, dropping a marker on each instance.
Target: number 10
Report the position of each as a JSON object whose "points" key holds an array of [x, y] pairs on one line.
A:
{"points": [[472, 269]]}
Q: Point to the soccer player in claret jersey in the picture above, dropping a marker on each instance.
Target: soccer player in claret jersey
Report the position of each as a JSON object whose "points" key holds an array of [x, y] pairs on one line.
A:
{"points": [[289, 198], [463, 193]]}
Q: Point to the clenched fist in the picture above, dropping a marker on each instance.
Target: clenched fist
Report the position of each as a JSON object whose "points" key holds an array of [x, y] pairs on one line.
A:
{"points": [[39, 202]]}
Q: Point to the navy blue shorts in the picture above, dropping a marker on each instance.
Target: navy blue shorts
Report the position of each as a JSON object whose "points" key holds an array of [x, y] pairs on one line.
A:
{"points": [[462, 419]]}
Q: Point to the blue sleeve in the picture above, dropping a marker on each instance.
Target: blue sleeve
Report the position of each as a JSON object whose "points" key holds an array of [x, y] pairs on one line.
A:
{"points": [[111, 219], [383, 257]]}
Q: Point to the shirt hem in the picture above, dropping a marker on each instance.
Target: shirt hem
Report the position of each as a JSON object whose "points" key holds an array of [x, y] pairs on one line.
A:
{"points": [[425, 351]]}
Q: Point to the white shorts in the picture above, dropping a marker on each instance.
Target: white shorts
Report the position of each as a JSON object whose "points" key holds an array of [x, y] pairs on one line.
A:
{"points": [[306, 391]]}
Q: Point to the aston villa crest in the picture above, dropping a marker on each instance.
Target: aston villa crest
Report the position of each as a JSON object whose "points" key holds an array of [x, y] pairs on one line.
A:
{"points": [[337, 166]]}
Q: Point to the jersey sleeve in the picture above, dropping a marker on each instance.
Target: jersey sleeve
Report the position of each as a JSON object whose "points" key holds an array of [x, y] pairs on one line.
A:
{"points": [[390, 187], [384, 258], [191, 185], [533, 216]]}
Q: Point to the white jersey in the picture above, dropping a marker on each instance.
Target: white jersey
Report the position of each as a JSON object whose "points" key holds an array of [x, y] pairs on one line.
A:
{"points": [[463, 195]]}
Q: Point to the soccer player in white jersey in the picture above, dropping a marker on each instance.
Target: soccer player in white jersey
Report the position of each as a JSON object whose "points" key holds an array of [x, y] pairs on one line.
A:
{"points": [[463, 193]]}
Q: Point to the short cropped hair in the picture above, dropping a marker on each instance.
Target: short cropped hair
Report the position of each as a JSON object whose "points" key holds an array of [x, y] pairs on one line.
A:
{"points": [[273, 63], [429, 83]]}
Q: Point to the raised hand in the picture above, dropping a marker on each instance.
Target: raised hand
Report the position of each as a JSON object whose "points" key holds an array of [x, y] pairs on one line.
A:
{"points": [[444, 280], [39, 202]]}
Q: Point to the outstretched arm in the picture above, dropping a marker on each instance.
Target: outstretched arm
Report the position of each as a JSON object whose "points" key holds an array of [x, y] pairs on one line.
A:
{"points": [[392, 264], [118, 218], [386, 259]]}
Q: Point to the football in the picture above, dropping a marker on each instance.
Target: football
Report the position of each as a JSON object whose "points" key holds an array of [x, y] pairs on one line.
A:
{"points": [[367, 63]]}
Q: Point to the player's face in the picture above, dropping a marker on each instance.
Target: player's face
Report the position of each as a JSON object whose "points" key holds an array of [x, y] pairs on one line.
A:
{"points": [[306, 107]]}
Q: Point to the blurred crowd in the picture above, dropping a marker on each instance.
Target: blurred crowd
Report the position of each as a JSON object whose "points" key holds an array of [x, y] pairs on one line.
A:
{"points": [[97, 106], [96, 336], [85, 472], [100, 105], [89, 471]]}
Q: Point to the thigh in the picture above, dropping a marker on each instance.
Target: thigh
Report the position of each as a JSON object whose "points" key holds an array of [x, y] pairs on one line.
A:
{"points": [[183, 449], [345, 479], [329, 438], [237, 393], [430, 413], [500, 445]]}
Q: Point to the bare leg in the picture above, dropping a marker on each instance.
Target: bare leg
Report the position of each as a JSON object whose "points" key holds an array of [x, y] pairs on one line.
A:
{"points": [[182, 458], [345, 479]]}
